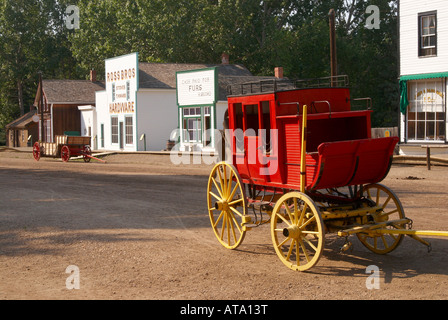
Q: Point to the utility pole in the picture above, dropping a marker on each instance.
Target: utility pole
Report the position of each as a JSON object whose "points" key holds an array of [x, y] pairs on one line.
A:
{"points": [[333, 58]]}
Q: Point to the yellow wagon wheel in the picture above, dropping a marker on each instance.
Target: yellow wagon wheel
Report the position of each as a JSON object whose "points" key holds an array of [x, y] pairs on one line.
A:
{"points": [[297, 231], [226, 202], [380, 195]]}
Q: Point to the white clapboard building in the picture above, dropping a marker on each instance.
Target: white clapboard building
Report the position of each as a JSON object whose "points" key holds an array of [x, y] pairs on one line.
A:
{"points": [[423, 46]]}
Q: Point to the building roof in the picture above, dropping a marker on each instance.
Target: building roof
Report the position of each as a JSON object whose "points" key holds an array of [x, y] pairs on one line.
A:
{"points": [[163, 75], [151, 75], [23, 121], [69, 91]]}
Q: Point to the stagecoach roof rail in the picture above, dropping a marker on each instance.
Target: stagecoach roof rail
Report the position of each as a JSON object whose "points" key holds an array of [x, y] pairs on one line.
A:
{"points": [[368, 102], [275, 85], [323, 101]]}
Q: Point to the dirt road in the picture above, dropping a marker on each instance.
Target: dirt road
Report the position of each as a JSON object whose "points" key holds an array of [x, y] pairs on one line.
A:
{"points": [[137, 228]]}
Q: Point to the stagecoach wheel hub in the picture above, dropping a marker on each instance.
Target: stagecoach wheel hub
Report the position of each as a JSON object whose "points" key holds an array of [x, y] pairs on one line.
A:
{"points": [[222, 205], [292, 232]]}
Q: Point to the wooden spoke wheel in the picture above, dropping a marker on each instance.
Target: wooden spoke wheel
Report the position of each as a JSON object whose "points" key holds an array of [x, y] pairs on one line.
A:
{"points": [[297, 231], [86, 152], [226, 202], [380, 195], [65, 153], [36, 151]]}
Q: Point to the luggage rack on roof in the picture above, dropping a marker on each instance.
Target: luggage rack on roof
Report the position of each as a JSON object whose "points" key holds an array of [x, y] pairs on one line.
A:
{"points": [[275, 85]]}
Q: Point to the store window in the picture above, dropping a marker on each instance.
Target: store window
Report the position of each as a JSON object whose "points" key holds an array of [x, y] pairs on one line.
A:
{"points": [[427, 34], [207, 126], [47, 127], [129, 130], [102, 135], [427, 111], [114, 129], [192, 124]]}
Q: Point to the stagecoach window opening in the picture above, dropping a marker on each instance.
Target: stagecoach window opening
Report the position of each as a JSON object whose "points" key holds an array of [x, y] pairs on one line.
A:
{"points": [[114, 129], [238, 115], [129, 130], [238, 125], [252, 120], [266, 125]]}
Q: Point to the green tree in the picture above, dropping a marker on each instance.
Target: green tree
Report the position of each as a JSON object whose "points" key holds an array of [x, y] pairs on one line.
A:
{"points": [[370, 57], [33, 39]]}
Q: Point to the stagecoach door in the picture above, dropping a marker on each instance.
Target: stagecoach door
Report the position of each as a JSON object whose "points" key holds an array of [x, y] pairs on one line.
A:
{"points": [[253, 140]]}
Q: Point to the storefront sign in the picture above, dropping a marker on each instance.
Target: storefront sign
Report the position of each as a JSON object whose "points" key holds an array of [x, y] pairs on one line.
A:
{"points": [[196, 87], [122, 83], [430, 95]]}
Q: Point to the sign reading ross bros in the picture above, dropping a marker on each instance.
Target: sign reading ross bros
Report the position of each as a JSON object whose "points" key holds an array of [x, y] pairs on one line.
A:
{"points": [[122, 83]]}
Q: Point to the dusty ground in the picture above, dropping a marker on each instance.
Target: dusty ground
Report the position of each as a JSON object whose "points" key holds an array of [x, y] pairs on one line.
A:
{"points": [[137, 228]]}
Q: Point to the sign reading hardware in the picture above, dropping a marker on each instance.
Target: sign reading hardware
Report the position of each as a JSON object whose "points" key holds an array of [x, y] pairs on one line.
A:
{"points": [[196, 87], [122, 83]]}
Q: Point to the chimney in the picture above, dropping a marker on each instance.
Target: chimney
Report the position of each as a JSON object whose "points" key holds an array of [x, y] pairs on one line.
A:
{"points": [[279, 72], [93, 75], [225, 58]]}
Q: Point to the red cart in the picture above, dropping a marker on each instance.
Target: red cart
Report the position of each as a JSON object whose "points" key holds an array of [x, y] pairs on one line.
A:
{"points": [[64, 147], [304, 162]]}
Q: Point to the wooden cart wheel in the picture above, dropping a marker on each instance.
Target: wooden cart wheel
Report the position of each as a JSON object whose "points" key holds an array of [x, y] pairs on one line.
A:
{"points": [[86, 152], [297, 231], [36, 151], [380, 195], [226, 202], [65, 153]]}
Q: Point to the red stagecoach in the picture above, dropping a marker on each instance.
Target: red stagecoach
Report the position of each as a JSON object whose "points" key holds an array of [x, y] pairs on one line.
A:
{"points": [[304, 161]]}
